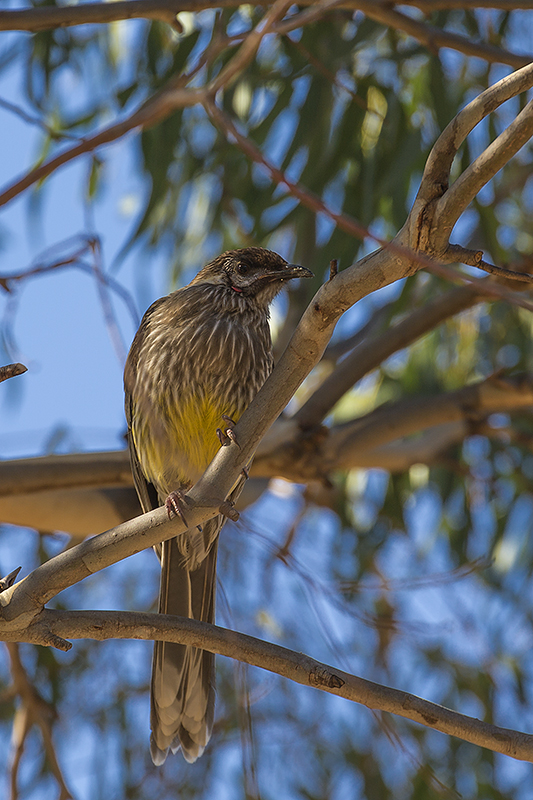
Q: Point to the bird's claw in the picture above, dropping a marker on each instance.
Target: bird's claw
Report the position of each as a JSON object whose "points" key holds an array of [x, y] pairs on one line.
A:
{"points": [[175, 504], [227, 435]]}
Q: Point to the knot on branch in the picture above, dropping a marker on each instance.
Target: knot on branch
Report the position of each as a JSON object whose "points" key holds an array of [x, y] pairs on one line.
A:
{"points": [[323, 677]]}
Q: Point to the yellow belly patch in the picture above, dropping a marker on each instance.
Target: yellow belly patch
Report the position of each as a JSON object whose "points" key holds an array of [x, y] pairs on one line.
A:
{"points": [[176, 448]]}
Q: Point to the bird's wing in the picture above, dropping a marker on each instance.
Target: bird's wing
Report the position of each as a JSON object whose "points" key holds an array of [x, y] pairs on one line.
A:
{"points": [[145, 490]]}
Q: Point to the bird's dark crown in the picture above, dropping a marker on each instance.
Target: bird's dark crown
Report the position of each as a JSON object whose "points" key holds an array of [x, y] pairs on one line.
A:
{"points": [[250, 272]]}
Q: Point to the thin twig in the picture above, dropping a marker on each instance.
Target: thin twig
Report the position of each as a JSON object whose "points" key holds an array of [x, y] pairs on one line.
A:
{"points": [[249, 47], [10, 370], [474, 258]]}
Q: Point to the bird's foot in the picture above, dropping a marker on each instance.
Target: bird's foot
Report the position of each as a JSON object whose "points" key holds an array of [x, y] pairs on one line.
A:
{"points": [[176, 504], [227, 436], [227, 509]]}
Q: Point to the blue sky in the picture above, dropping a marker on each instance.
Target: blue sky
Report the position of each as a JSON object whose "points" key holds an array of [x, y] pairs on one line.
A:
{"points": [[74, 378]]}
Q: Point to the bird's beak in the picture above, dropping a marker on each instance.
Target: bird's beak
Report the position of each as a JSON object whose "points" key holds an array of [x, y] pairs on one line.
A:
{"points": [[295, 271]]}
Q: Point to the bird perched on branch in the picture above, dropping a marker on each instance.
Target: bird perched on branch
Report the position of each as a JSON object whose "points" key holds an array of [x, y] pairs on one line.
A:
{"points": [[198, 359]]}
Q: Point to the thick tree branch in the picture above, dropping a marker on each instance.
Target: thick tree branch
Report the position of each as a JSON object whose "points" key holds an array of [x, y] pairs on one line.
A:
{"points": [[71, 471], [410, 415], [377, 439], [81, 512], [297, 667]]}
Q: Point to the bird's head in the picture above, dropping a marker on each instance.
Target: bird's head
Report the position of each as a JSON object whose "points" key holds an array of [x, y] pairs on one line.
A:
{"points": [[251, 272]]}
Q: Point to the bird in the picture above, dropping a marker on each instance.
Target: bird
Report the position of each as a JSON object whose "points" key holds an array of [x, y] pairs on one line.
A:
{"points": [[199, 357]]}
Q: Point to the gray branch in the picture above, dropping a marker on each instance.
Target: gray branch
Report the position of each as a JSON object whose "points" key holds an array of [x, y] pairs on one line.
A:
{"points": [[54, 627]]}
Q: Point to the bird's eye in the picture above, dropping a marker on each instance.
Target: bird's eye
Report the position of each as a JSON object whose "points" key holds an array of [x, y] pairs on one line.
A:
{"points": [[242, 269]]}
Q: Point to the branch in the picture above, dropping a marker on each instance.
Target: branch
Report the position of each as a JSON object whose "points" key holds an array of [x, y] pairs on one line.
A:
{"points": [[34, 710], [474, 258], [250, 45], [72, 471], [11, 370], [77, 512], [436, 177], [434, 38], [413, 414], [42, 19], [153, 110], [371, 352], [81, 512], [378, 438], [442, 5], [497, 154], [298, 667], [38, 19]]}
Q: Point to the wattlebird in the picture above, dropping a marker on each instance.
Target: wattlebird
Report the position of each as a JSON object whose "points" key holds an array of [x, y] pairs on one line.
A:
{"points": [[199, 357]]}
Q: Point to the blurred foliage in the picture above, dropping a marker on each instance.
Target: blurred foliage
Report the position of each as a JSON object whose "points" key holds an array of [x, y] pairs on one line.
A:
{"points": [[420, 580]]}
